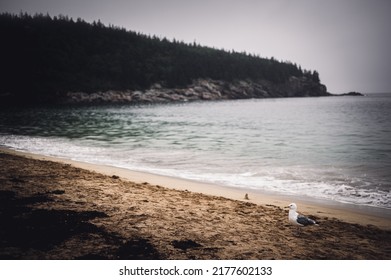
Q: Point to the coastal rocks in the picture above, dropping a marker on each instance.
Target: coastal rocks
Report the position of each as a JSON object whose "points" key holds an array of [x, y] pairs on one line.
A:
{"points": [[202, 89], [98, 97]]}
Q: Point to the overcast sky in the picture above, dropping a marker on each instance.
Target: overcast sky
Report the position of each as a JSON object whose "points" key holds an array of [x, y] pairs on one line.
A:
{"points": [[347, 41]]}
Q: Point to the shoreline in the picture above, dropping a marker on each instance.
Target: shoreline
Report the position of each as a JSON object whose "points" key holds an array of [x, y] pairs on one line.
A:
{"points": [[60, 209], [363, 215]]}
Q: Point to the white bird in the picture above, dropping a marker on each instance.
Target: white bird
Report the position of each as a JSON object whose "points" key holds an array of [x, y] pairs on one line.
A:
{"points": [[298, 219]]}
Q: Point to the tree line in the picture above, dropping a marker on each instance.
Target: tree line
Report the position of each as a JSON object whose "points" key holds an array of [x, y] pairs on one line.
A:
{"points": [[43, 56]]}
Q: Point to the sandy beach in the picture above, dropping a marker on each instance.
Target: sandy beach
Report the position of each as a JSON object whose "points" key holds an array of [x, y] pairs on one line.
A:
{"points": [[59, 209]]}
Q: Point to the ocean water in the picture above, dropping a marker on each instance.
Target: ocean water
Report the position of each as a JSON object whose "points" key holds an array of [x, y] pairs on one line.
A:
{"points": [[336, 149]]}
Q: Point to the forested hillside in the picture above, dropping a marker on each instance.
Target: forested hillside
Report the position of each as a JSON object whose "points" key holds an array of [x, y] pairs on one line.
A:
{"points": [[43, 57]]}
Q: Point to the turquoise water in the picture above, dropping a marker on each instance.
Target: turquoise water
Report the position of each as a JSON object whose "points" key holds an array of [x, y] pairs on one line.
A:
{"points": [[329, 148]]}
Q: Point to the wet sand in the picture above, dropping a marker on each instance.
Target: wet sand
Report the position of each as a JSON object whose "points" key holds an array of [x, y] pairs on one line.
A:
{"points": [[54, 209]]}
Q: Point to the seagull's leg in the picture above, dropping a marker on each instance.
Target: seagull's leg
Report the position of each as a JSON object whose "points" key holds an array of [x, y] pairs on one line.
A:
{"points": [[298, 231]]}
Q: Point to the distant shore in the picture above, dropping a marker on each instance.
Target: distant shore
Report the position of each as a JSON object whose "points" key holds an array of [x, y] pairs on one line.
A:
{"points": [[114, 213]]}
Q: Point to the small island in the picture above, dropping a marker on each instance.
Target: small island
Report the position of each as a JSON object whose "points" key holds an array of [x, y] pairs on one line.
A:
{"points": [[352, 93]]}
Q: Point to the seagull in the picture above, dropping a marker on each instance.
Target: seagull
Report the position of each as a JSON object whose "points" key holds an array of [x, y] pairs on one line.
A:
{"points": [[298, 219]]}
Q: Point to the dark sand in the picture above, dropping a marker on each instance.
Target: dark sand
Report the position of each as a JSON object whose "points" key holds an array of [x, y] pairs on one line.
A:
{"points": [[52, 210]]}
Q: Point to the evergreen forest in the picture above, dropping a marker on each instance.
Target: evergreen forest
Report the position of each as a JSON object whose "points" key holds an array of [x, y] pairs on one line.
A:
{"points": [[44, 56]]}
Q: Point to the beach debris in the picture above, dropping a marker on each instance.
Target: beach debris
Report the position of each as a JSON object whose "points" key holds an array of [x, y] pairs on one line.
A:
{"points": [[298, 219], [115, 177], [246, 196]]}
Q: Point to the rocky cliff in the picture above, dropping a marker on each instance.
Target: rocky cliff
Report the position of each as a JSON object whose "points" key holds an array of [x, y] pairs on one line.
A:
{"points": [[203, 89]]}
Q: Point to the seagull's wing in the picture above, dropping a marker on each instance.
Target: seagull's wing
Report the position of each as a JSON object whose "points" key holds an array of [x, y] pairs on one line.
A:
{"points": [[305, 221]]}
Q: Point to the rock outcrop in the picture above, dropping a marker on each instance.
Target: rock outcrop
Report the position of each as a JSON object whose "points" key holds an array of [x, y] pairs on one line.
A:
{"points": [[351, 93], [203, 89]]}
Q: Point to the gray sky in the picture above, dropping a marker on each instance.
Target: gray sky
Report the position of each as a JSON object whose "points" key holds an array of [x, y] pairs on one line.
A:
{"points": [[347, 41]]}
